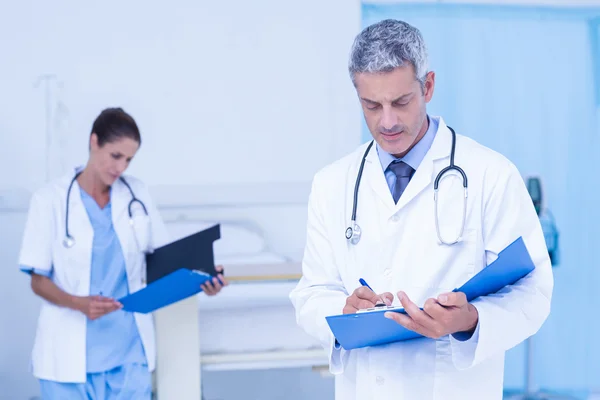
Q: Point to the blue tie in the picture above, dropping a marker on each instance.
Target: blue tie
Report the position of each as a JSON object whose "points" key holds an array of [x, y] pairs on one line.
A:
{"points": [[403, 173]]}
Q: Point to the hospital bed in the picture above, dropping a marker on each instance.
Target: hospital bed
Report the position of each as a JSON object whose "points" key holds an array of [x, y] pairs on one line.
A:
{"points": [[251, 324]]}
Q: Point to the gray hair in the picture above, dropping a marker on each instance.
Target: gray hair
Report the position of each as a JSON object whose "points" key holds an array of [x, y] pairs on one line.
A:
{"points": [[387, 45]]}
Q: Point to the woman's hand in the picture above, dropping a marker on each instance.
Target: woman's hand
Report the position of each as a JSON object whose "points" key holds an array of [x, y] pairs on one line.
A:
{"points": [[214, 287], [92, 306], [95, 307]]}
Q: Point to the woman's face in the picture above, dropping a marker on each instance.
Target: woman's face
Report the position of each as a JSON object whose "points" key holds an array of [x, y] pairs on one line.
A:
{"points": [[110, 160]]}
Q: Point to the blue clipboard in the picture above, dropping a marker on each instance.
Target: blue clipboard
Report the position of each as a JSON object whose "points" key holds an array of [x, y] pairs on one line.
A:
{"points": [[165, 291], [359, 330]]}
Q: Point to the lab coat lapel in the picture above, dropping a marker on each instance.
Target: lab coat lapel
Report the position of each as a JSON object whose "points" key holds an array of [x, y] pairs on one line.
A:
{"points": [[80, 226], [424, 175]]}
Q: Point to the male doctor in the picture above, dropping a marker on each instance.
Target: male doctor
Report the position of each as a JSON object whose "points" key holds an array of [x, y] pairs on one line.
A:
{"points": [[400, 254]]}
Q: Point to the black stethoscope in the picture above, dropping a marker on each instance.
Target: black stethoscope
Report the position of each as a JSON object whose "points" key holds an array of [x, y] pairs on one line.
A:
{"points": [[69, 241], [354, 232]]}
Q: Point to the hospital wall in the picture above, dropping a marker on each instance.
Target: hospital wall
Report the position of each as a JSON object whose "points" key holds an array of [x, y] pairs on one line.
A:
{"points": [[252, 95], [525, 81]]}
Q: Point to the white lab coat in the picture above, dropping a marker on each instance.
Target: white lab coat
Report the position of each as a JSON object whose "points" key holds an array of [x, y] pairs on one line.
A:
{"points": [[59, 350], [399, 250]]}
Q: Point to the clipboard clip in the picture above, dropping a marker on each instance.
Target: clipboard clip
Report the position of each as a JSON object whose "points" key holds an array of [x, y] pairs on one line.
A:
{"points": [[381, 307]]}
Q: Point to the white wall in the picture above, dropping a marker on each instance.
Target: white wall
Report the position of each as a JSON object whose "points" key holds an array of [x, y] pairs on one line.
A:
{"points": [[212, 86]]}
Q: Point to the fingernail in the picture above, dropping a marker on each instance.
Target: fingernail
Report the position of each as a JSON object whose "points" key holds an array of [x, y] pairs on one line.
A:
{"points": [[443, 298], [388, 315], [387, 301], [400, 296]]}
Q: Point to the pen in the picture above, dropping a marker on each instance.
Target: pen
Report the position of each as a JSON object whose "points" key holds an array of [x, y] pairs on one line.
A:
{"points": [[364, 283]]}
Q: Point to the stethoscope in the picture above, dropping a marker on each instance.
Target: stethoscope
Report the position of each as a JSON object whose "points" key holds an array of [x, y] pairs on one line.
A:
{"points": [[354, 232], [69, 241]]}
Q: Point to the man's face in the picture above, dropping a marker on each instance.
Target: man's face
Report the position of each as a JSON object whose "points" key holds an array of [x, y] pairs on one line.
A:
{"points": [[394, 105]]}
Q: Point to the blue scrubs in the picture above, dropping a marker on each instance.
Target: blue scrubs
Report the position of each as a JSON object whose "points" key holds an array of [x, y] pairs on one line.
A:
{"points": [[116, 362], [122, 383]]}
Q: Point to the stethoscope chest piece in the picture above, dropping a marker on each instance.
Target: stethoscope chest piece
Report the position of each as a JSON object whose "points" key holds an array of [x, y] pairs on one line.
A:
{"points": [[68, 242], [353, 233], [348, 233]]}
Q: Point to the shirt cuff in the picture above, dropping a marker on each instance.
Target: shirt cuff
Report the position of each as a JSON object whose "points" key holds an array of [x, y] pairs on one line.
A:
{"points": [[464, 336], [337, 358], [464, 346]]}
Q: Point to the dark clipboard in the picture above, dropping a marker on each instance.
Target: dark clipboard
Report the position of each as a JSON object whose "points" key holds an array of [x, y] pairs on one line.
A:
{"points": [[193, 252]]}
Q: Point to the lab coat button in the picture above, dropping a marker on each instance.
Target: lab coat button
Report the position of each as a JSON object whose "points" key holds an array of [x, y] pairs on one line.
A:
{"points": [[380, 380], [387, 272], [395, 218]]}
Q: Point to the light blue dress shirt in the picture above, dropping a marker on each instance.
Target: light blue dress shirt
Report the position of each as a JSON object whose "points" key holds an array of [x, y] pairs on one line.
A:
{"points": [[412, 158]]}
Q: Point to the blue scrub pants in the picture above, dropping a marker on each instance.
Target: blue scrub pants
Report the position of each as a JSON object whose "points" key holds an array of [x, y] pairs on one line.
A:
{"points": [[128, 382]]}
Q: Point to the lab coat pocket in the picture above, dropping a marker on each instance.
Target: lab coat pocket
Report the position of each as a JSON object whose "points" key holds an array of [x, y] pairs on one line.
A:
{"points": [[444, 267]]}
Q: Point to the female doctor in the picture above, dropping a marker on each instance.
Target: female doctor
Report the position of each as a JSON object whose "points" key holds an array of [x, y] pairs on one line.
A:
{"points": [[82, 254]]}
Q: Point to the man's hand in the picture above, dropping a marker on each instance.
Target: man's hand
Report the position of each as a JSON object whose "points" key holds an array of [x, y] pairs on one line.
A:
{"points": [[95, 307], [217, 284], [448, 314], [363, 297]]}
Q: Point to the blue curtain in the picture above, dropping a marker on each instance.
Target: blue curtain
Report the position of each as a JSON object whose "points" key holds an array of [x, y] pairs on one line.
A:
{"points": [[523, 81]]}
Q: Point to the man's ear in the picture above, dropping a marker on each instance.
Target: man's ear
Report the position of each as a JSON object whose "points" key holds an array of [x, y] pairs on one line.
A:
{"points": [[429, 86]]}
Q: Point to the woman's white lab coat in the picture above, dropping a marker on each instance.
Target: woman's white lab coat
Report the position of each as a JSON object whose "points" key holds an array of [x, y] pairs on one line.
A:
{"points": [[399, 250], [59, 350]]}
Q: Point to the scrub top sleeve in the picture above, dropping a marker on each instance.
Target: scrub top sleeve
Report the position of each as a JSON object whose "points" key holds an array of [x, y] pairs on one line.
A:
{"points": [[36, 246]]}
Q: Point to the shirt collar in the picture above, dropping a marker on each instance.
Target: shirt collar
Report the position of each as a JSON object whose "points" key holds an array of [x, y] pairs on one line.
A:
{"points": [[417, 153]]}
